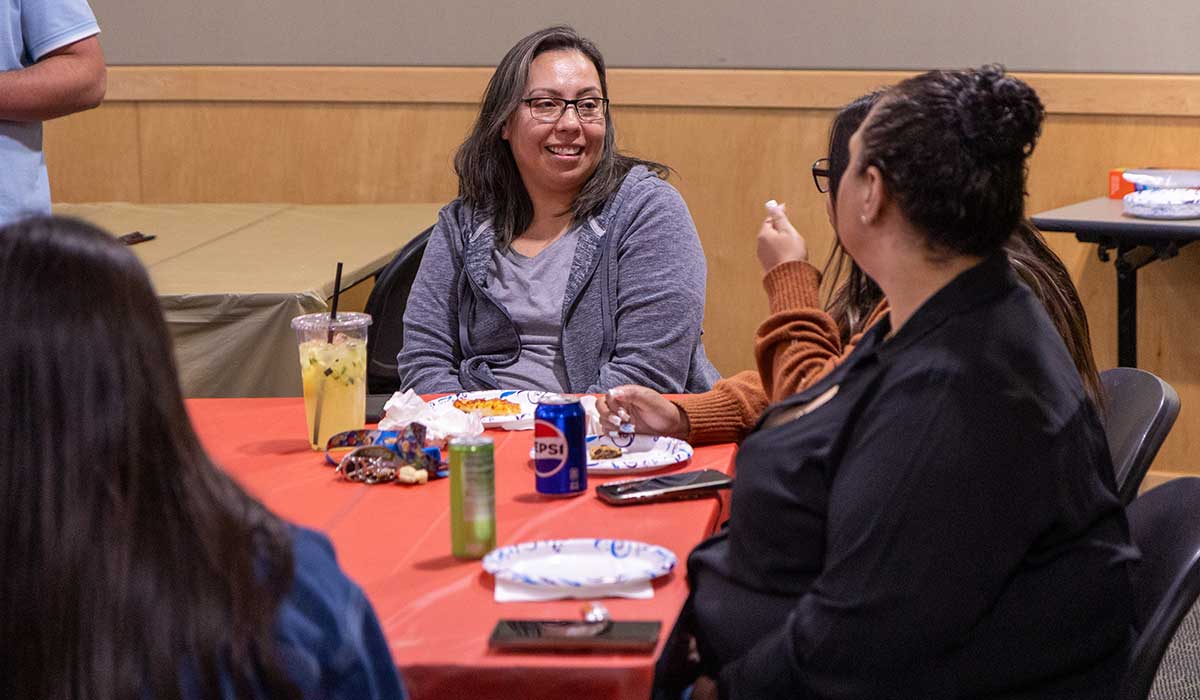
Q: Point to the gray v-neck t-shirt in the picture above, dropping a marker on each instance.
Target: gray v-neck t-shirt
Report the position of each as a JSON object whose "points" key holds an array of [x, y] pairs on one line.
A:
{"points": [[532, 290]]}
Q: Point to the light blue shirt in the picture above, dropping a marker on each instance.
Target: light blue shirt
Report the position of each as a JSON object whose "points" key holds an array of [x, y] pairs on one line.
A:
{"points": [[29, 29]]}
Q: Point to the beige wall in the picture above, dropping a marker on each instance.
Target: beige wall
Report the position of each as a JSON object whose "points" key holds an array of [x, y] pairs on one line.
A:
{"points": [[1063, 35], [736, 138]]}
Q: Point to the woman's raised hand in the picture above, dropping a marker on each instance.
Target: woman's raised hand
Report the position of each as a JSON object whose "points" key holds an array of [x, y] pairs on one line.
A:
{"points": [[778, 242], [646, 409]]}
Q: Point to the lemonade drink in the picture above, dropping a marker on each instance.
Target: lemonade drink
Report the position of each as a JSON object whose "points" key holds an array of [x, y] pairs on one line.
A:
{"points": [[334, 373]]}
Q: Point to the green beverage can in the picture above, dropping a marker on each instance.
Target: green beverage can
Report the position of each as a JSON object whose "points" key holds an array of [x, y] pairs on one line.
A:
{"points": [[472, 497]]}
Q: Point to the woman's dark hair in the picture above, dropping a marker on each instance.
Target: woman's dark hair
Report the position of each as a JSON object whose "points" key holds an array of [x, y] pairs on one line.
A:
{"points": [[132, 566], [1044, 273], [854, 295], [951, 146], [853, 298], [488, 178]]}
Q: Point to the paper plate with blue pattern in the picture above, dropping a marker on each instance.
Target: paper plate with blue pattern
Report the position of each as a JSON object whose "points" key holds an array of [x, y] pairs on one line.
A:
{"points": [[637, 453], [517, 405], [579, 563]]}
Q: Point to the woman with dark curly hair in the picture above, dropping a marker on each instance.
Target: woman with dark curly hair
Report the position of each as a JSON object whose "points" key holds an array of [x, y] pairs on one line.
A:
{"points": [[935, 518]]}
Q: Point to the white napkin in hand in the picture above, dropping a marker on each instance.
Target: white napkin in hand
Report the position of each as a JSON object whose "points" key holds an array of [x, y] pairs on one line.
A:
{"points": [[512, 592], [593, 415], [441, 422]]}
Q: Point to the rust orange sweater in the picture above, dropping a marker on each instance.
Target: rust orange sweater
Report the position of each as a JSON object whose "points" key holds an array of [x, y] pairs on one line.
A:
{"points": [[794, 347]]}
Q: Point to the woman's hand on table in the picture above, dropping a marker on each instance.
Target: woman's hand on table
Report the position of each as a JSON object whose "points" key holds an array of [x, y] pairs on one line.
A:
{"points": [[778, 241], [649, 411]]}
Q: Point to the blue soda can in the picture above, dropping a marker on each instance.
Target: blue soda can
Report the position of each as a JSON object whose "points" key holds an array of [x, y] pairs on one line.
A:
{"points": [[560, 446]]}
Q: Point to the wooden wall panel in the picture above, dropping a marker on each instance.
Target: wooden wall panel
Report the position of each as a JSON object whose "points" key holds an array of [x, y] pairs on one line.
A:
{"points": [[93, 156], [1065, 93], [727, 163], [1071, 163], [300, 152], [200, 144]]}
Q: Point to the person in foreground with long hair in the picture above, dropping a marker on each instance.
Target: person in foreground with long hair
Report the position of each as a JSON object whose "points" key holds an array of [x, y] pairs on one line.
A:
{"points": [[133, 567]]}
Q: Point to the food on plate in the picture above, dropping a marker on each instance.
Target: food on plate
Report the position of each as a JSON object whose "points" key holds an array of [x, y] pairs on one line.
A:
{"points": [[488, 408], [605, 452]]}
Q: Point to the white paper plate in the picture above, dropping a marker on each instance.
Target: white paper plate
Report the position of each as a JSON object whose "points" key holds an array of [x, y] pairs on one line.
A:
{"points": [[527, 400], [641, 453], [1163, 204], [579, 562]]}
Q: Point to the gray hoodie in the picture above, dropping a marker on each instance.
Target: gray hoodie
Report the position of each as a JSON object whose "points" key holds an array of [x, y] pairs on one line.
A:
{"points": [[631, 313]]}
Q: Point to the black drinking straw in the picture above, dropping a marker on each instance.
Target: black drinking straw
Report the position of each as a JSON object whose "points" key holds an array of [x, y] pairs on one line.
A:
{"points": [[337, 291]]}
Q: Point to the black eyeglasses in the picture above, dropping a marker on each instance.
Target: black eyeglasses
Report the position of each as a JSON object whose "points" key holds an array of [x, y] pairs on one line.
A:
{"points": [[820, 171], [551, 109]]}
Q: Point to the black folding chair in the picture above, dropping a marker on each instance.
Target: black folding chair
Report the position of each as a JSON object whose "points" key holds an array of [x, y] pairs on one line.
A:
{"points": [[1165, 524], [386, 305], [1140, 409]]}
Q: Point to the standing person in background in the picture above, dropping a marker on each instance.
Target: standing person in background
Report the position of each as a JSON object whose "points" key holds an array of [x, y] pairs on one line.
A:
{"points": [[563, 265], [134, 568], [50, 66]]}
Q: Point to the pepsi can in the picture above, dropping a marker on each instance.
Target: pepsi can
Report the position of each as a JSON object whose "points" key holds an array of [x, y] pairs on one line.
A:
{"points": [[560, 446]]}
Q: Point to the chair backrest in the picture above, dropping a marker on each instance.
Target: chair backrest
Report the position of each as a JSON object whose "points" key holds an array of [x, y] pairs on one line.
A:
{"points": [[1178, 675], [1140, 409], [386, 305], [1165, 525]]}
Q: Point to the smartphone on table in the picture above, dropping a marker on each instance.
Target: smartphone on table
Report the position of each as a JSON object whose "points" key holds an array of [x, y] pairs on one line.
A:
{"points": [[637, 636], [135, 238], [669, 487], [375, 404]]}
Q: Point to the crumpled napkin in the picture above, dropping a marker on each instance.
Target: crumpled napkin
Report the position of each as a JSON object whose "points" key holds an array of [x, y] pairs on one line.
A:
{"points": [[441, 422], [513, 592]]}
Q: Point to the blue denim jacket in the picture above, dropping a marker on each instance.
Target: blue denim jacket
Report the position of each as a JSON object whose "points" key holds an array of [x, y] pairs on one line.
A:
{"points": [[327, 633]]}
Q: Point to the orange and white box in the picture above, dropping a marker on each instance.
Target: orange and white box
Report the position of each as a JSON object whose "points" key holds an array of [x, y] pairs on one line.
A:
{"points": [[1118, 186]]}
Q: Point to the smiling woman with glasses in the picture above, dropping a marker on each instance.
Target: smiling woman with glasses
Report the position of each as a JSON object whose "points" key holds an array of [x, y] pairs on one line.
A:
{"points": [[555, 235]]}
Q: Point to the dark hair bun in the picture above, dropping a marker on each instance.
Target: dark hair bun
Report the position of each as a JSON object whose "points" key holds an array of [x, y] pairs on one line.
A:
{"points": [[1000, 116], [952, 147]]}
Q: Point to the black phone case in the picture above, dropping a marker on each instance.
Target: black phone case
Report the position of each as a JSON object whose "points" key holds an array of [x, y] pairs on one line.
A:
{"points": [[375, 404], [639, 636], [135, 238], [610, 493]]}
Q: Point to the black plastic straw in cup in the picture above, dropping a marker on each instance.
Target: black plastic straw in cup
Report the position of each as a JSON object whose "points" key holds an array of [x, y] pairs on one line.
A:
{"points": [[337, 291]]}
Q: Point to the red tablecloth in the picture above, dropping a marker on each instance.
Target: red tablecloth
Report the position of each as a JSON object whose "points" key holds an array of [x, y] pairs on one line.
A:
{"points": [[437, 611]]}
